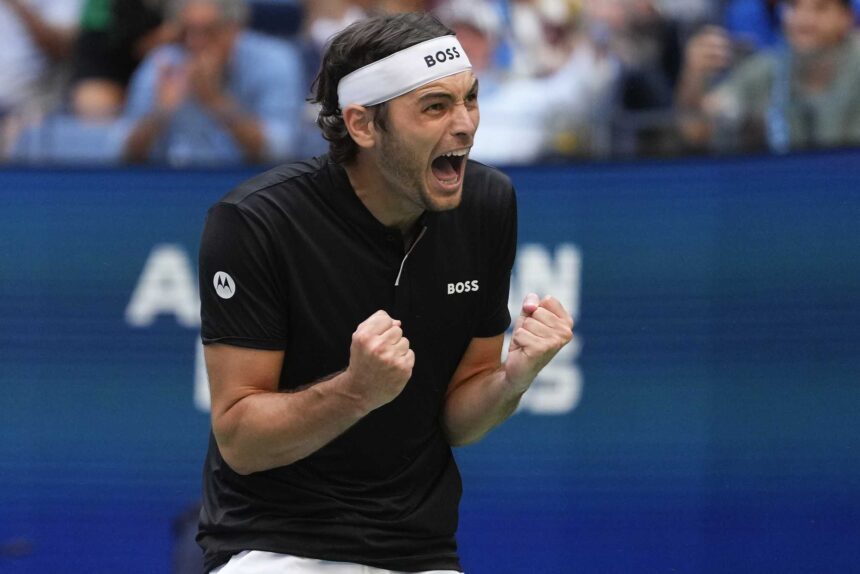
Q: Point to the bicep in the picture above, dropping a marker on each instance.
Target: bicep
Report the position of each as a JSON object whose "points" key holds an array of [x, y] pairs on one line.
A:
{"points": [[483, 355], [238, 372]]}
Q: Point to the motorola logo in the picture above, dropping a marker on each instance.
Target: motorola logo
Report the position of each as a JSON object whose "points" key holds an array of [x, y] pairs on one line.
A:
{"points": [[224, 285]]}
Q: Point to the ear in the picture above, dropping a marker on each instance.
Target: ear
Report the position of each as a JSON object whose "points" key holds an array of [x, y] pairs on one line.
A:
{"points": [[359, 124]]}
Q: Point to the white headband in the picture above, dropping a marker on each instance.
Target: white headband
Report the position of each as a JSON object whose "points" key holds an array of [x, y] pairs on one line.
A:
{"points": [[402, 72]]}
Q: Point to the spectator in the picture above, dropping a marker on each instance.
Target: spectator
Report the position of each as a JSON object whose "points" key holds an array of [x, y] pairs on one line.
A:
{"points": [[644, 37], [325, 18], [804, 94], [526, 119], [37, 34], [115, 37], [539, 34], [646, 42], [222, 95]]}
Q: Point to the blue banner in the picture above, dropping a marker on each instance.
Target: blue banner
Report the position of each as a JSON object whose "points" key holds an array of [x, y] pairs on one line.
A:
{"points": [[704, 419]]}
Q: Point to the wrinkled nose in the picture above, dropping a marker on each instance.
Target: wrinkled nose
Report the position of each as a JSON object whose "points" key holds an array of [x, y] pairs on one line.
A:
{"points": [[464, 123]]}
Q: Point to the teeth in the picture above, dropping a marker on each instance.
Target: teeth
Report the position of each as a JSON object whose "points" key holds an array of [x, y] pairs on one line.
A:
{"points": [[456, 153]]}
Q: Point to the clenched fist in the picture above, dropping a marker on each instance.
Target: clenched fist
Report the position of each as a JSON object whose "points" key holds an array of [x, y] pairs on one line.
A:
{"points": [[380, 360], [541, 330]]}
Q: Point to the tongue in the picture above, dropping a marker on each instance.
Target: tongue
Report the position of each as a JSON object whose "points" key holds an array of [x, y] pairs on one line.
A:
{"points": [[443, 168]]}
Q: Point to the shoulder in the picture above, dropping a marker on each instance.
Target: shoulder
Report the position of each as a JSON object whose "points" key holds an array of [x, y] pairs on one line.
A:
{"points": [[758, 68], [270, 204], [487, 187], [255, 45], [277, 187]]}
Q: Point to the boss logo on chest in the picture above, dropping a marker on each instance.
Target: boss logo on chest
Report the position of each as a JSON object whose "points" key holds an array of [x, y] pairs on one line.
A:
{"points": [[442, 56], [463, 287]]}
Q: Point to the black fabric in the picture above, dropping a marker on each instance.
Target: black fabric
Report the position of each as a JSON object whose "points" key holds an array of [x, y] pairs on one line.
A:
{"points": [[309, 263], [108, 49]]}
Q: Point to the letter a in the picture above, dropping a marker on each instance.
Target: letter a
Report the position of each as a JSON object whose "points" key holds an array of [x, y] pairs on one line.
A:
{"points": [[166, 286]]}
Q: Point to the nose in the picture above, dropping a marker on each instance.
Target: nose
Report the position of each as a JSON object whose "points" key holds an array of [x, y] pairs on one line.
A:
{"points": [[464, 122]]}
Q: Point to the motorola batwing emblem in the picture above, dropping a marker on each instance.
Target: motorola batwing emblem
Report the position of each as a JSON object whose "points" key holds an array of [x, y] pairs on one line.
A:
{"points": [[224, 285]]}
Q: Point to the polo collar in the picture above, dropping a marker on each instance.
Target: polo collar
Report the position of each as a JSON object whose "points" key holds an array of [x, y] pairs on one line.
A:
{"points": [[342, 198]]}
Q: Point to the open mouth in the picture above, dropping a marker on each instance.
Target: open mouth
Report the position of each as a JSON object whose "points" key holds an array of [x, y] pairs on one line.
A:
{"points": [[448, 167]]}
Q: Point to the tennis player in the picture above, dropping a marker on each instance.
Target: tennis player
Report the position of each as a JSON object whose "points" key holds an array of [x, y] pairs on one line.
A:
{"points": [[354, 307]]}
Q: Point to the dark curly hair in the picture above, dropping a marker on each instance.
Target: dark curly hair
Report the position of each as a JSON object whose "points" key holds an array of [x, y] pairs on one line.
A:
{"points": [[358, 45]]}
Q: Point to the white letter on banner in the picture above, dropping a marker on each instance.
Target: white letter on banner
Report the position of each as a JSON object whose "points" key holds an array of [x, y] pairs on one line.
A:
{"points": [[167, 285], [558, 388]]}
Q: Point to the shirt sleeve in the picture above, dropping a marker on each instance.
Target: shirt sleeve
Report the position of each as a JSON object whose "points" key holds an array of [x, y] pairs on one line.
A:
{"points": [[242, 299], [496, 317], [747, 89]]}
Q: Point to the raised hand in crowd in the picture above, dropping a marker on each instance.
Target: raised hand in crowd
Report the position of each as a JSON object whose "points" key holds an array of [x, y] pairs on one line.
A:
{"points": [[708, 53]]}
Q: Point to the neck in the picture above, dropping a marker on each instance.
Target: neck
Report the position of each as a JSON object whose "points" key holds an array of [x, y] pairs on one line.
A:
{"points": [[380, 197]]}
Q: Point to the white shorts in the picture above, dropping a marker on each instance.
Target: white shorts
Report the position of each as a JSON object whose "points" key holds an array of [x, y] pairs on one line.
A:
{"points": [[259, 562]]}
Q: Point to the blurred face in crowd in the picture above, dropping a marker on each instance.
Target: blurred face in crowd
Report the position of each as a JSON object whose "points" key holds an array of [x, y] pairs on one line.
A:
{"points": [[618, 15], [814, 25], [477, 44], [204, 30]]}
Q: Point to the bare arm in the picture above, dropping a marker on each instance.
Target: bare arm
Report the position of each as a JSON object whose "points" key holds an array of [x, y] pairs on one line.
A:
{"points": [[484, 392], [245, 128], [54, 41], [144, 135], [707, 54], [258, 428], [171, 90], [206, 81], [479, 396]]}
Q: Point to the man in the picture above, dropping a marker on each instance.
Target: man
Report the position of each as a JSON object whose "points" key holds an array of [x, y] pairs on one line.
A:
{"points": [[224, 95], [115, 37], [539, 113], [38, 35], [805, 95], [354, 308]]}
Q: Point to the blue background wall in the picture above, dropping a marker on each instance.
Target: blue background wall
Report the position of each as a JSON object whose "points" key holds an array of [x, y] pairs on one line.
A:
{"points": [[716, 424]]}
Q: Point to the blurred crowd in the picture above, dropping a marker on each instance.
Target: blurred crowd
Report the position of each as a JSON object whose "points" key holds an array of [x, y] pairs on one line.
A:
{"points": [[221, 82]]}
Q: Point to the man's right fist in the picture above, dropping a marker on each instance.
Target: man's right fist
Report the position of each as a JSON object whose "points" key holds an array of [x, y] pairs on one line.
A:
{"points": [[380, 360]]}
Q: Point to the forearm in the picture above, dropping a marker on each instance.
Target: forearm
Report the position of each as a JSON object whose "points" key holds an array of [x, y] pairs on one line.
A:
{"points": [[143, 137], [693, 123], [268, 429], [692, 87], [54, 41], [245, 129], [478, 405]]}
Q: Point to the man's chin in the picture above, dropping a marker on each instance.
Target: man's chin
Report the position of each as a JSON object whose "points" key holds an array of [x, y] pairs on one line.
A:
{"points": [[435, 201]]}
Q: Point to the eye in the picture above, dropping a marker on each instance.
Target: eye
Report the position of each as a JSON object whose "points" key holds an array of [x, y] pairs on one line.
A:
{"points": [[437, 107]]}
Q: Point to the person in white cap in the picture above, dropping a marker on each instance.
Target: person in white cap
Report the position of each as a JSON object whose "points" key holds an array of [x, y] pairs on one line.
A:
{"points": [[353, 313]]}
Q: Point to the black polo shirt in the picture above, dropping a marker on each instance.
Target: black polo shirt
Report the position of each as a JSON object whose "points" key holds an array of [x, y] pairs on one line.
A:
{"points": [[292, 260]]}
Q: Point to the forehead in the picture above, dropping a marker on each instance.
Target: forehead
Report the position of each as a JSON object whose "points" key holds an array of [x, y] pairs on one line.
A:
{"points": [[201, 11], [458, 84], [817, 4]]}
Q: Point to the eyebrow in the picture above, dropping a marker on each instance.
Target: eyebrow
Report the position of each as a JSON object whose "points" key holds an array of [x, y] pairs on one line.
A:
{"points": [[447, 95]]}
